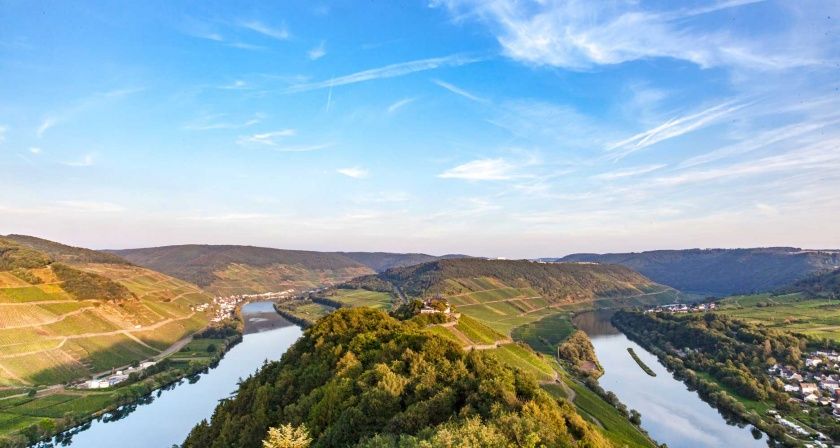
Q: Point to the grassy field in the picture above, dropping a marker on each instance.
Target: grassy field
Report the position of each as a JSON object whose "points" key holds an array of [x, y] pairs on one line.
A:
{"points": [[792, 312], [47, 336], [524, 358], [240, 278], [477, 332], [545, 334], [363, 297], [602, 414]]}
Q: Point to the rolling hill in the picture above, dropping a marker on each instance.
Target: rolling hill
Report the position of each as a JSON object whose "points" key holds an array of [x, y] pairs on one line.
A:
{"points": [[506, 294], [67, 313], [518, 312], [721, 271], [227, 270], [825, 284], [382, 261], [359, 378]]}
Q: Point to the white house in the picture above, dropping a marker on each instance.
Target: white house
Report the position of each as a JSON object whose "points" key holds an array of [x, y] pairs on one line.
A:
{"points": [[809, 388], [813, 362]]}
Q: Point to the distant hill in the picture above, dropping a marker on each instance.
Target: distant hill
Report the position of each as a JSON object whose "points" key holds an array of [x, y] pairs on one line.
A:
{"points": [[557, 281], [825, 284], [509, 293], [721, 271], [382, 261], [67, 313], [249, 269], [65, 253]]}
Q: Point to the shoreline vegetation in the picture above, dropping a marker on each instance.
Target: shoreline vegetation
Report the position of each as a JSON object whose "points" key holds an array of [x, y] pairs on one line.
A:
{"points": [[202, 353], [639, 361], [732, 405]]}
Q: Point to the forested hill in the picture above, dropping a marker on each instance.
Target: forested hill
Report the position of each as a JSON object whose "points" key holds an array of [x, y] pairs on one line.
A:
{"points": [[825, 284], [721, 271], [65, 253], [249, 269], [359, 378], [570, 282], [382, 261]]}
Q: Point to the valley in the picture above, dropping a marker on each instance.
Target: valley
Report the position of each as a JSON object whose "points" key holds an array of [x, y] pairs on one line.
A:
{"points": [[524, 314]]}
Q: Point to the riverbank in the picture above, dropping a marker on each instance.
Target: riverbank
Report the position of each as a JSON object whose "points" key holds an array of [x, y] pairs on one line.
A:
{"points": [[641, 363], [166, 417], [39, 415], [710, 391], [670, 412]]}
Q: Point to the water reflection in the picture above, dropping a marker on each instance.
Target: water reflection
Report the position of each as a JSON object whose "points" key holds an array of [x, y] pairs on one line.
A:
{"points": [[671, 413]]}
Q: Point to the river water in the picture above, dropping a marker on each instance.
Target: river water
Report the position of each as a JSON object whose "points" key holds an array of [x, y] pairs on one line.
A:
{"points": [[671, 413], [167, 418]]}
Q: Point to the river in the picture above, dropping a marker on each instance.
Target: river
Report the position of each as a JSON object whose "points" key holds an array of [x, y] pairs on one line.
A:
{"points": [[167, 416], [671, 413]]}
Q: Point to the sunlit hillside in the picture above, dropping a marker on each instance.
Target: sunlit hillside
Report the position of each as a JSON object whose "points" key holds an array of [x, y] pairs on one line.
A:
{"points": [[63, 322]]}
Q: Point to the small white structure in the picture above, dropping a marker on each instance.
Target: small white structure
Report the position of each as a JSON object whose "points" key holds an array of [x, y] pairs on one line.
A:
{"points": [[811, 398], [97, 384], [813, 362], [809, 388]]}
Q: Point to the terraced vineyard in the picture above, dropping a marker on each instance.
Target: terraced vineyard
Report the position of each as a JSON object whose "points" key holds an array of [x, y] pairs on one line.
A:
{"points": [[506, 308], [47, 336], [363, 297], [796, 312]]}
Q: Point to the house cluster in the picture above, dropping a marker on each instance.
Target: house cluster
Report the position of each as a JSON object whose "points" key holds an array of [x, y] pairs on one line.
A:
{"points": [[817, 384], [431, 306], [226, 306], [678, 308], [116, 378]]}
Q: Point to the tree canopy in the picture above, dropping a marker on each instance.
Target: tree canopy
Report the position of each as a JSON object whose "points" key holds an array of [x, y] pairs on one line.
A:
{"points": [[361, 378]]}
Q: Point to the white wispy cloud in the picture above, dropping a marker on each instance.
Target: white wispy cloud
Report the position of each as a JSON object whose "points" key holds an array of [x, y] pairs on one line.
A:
{"points": [[275, 32], [674, 127], [579, 34], [97, 99], [820, 156], [91, 206], [793, 133], [629, 172], [397, 105], [235, 85], [482, 169], [35, 150], [267, 138], [459, 91], [86, 160], [278, 141], [383, 197], [229, 217], [2, 134], [217, 121], [354, 172], [317, 52], [46, 124], [388, 71]]}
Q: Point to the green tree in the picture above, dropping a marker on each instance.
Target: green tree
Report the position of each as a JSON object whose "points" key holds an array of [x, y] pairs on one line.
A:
{"points": [[287, 436]]}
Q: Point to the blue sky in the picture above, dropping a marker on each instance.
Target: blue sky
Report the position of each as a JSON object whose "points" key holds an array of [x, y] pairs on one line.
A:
{"points": [[496, 128]]}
